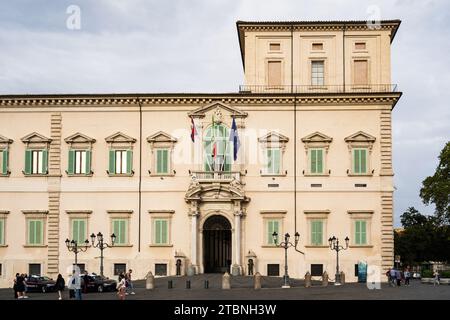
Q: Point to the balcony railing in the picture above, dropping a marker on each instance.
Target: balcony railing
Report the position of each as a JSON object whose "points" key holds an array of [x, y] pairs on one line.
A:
{"points": [[318, 89], [216, 176]]}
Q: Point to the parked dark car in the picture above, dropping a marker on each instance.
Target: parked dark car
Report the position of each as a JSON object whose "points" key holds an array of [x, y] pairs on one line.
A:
{"points": [[40, 284], [97, 283]]}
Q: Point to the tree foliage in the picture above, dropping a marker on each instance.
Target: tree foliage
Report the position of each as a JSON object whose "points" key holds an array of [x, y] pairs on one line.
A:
{"points": [[436, 188]]}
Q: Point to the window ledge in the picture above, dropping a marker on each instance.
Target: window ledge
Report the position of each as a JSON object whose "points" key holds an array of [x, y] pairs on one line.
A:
{"points": [[121, 246], [120, 174], [360, 175], [35, 246], [273, 175], [161, 245], [3, 245], [361, 246], [270, 246], [316, 246], [35, 174], [316, 175], [6, 175], [162, 175], [80, 174]]}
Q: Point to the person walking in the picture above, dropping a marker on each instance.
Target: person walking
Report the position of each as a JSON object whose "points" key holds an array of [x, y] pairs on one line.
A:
{"points": [[15, 286], [393, 277], [21, 287], [398, 275], [59, 285], [85, 281], [121, 287], [129, 282], [75, 284], [407, 276], [436, 278]]}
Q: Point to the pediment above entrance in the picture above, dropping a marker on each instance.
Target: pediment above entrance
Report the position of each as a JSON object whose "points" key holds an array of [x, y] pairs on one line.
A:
{"points": [[218, 109], [216, 193]]}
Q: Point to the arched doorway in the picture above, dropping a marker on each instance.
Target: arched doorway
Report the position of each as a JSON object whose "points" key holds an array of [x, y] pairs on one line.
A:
{"points": [[216, 244]]}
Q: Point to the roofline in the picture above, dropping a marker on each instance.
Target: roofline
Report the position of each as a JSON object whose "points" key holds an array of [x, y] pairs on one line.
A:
{"points": [[395, 22]]}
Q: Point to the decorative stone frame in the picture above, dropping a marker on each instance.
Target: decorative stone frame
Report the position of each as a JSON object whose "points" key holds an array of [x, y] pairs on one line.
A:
{"points": [[365, 215], [4, 216], [161, 140], [36, 214], [326, 81], [273, 140], [272, 215], [312, 215], [161, 214], [36, 141], [4, 146], [360, 139], [78, 214], [120, 214], [369, 82], [120, 141], [80, 142], [317, 140], [282, 62]]}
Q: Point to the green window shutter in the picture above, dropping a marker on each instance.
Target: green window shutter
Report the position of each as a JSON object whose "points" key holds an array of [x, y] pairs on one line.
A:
{"points": [[357, 232], [39, 232], [31, 232], [355, 161], [28, 157], [363, 165], [157, 231], [316, 232], [82, 231], [44, 161], [269, 161], [158, 161], [363, 232], [270, 229], [5, 162], [165, 167], [88, 161], [319, 161], [2, 231], [75, 234], [276, 161], [120, 229], [71, 167], [313, 161], [129, 161], [112, 162], [164, 232]]}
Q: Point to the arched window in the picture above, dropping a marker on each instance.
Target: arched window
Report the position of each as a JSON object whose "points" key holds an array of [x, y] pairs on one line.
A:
{"points": [[217, 135]]}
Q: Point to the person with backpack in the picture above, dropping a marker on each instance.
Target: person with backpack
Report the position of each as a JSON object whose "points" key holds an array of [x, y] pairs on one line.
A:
{"points": [[59, 285]]}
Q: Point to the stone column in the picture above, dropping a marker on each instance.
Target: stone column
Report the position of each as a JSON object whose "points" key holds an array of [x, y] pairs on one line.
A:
{"points": [[194, 217], [237, 267]]}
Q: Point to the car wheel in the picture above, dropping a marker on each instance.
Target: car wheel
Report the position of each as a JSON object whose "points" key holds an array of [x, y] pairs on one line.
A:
{"points": [[100, 288], [44, 289]]}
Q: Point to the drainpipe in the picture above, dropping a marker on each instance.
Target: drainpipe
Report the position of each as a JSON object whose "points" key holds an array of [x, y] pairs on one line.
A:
{"points": [[140, 173]]}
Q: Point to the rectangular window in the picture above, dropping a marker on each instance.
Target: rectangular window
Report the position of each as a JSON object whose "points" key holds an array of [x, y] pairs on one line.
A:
{"points": [[2, 232], [274, 47], [317, 46], [35, 231], [120, 230], [162, 161], [160, 269], [317, 73], [79, 230], [273, 161], [161, 231], [316, 270], [316, 158], [4, 162], [34, 269], [360, 45], [360, 232], [272, 226], [316, 232], [273, 270], [361, 72], [359, 161], [79, 162], [274, 73], [120, 268], [120, 161]]}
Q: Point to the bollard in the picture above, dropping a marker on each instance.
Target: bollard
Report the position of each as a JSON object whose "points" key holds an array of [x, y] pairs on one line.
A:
{"points": [[342, 277], [307, 280], [169, 284], [325, 279], [226, 281], [206, 284], [257, 281], [149, 281], [188, 284]]}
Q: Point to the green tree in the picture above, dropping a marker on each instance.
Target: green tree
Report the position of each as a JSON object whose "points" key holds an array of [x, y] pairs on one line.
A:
{"points": [[436, 188]]}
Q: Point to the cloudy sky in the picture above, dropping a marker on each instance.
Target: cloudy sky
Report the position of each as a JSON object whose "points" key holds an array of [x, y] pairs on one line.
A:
{"points": [[191, 46]]}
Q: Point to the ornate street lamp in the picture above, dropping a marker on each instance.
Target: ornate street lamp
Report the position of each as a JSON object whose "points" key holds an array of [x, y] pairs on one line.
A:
{"points": [[286, 244], [334, 245], [74, 247], [102, 245]]}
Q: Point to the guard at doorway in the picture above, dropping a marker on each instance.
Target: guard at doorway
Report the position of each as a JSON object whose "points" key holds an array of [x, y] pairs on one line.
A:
{"points": [[250, 267]]}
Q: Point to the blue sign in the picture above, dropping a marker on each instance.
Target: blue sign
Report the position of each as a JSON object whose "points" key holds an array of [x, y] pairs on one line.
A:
{"points": [[362, 271]]}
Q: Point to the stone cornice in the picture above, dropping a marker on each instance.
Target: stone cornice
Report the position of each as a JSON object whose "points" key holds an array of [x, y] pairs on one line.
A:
{"points": [[63, 101]]}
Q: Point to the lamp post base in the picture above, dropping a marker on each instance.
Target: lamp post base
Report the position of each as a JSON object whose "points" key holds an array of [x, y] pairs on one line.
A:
{"points": [[337, 282], [285, 286]]}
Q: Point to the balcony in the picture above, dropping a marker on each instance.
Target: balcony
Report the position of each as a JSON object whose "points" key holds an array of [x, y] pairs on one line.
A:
{"points": [[216, 176], [319, 89]]}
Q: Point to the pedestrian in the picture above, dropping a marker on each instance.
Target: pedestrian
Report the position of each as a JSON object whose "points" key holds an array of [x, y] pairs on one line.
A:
{"points": [[85, 281], [59, 285], [436, 278], [121, 287], [398, 276], [15, 286], [407, 276], [75, 285], [21, 287], [393, 277], [130, 286]]}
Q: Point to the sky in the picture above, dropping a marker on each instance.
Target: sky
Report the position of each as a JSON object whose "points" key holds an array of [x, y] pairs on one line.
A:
{"points": [[191, 46]]}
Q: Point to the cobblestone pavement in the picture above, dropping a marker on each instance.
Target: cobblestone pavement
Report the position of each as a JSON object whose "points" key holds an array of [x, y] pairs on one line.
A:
{"points": [[242, 289]]}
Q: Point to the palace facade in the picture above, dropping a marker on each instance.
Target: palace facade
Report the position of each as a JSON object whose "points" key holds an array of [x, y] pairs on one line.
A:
{"points": [[198, 183]]}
